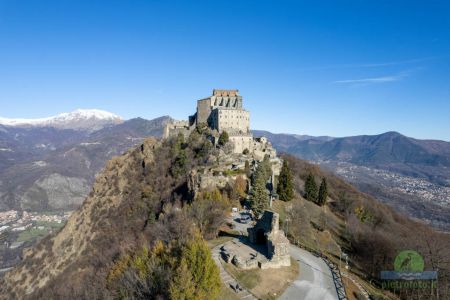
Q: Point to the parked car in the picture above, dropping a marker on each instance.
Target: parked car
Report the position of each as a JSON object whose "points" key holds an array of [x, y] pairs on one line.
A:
{"points": [[245, 219]]}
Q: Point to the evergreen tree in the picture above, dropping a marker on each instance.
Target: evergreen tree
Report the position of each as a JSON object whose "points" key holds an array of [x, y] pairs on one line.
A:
{"points": [[285, 188], [267, 166], [260, 198], [310, 188], [197, 276], [223, 138], [179, 165], [260, 195], [323, 192]]}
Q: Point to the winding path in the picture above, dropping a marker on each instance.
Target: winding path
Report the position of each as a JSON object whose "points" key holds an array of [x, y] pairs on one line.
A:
{"points": [[314, 282]]}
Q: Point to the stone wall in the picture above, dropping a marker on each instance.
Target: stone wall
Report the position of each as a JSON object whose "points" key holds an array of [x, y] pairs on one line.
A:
{"points": [[203, 110], [231, 120]]}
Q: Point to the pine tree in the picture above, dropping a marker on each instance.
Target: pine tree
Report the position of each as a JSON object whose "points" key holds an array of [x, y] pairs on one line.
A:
{"points": [[197, 275], [260, 195], [311, 188], [323, 192], [285, 187], [267, 166], [260, 198]]}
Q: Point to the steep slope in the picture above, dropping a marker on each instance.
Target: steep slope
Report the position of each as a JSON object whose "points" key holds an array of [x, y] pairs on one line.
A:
{"points": [[52, 169], [136, 218], [113, 218]]}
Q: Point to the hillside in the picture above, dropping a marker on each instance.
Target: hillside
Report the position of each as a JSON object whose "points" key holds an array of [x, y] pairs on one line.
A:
{"points": [[410, 175], [134, 203], [359, 225], [46, 168], [145, 197]]}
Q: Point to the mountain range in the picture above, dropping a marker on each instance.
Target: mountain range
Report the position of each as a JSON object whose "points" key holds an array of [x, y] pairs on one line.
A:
{"points": [[392, 151], [51, 163], [52, 167]]}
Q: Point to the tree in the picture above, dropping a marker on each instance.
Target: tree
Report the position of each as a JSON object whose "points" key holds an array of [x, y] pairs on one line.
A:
{"points": [[247, 169], [240, 185], [260, 195], [197, 272], [310, 188], [179, 166], [209, 213], [223, 138], [285, 188], [323, 192], [267, 166]]}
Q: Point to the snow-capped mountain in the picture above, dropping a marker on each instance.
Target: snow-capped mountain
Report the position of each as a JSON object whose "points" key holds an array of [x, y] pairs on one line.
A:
{"points": [[80, 119]]}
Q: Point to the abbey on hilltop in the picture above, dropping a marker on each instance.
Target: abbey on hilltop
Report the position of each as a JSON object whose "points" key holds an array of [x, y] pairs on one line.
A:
{"points": [[221, 112]]}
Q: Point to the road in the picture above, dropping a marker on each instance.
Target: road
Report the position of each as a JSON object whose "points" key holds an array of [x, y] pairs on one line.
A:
{"points": [[314, 282]]}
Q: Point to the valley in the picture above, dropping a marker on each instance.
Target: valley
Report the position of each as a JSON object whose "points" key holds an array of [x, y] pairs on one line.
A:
{"points": [[20, 230]]}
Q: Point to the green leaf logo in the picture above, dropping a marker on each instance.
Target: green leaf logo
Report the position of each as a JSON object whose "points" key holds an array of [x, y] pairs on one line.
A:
{"points": [[408, 261]]}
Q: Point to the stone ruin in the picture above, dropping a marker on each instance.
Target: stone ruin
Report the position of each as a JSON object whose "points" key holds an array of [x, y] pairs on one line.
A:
{"points": [[267, 232], [268, 247]]}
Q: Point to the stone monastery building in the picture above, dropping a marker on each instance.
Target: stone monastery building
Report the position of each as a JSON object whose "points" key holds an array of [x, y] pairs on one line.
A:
{"points": [[223, 111]]}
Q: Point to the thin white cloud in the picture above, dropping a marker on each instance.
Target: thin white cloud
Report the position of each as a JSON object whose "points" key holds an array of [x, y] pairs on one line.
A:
{"points": [[374, 80], [372, 65]]}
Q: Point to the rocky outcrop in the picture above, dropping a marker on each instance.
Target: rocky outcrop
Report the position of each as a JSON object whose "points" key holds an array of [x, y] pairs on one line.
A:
{"points": [[57, 192]]}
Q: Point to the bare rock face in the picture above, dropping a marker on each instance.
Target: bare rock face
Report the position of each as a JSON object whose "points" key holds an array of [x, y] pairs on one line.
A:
{"points": [[91, 233], [59, 192]]}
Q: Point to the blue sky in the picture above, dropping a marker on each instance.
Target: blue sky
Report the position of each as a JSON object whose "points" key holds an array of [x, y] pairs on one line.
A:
{"points": [[334, 68]]}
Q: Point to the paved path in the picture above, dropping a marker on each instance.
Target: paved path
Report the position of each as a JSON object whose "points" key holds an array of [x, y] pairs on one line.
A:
{"points": [[314, 282]]}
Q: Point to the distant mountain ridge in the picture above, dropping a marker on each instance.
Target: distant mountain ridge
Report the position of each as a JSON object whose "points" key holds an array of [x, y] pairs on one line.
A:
{"points": [[391, 151], [46, 168], [80, 119]]}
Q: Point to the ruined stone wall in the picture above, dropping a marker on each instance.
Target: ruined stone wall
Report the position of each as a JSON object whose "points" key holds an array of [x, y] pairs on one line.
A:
{"points": [[203, 110], [241, 142]]}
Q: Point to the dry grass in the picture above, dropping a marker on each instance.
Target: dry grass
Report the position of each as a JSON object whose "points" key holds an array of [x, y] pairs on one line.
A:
{"points": [[265, 284], [218, 241], [227, 294], [350, 288]]}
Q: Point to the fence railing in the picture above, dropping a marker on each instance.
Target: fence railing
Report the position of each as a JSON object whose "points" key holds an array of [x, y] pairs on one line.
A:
{"points": [[335, 272]]}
